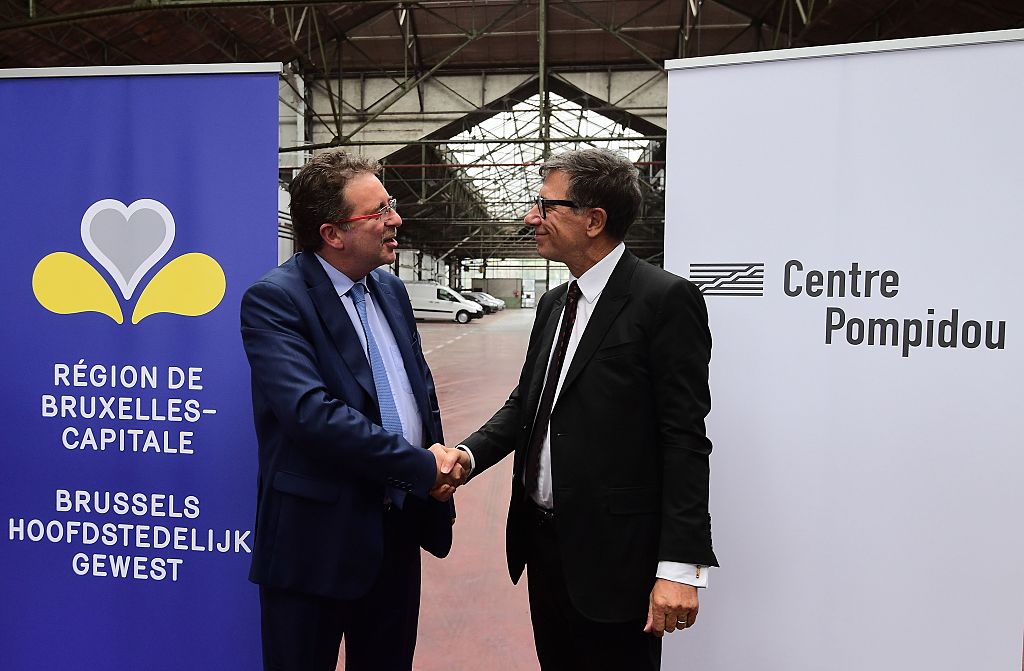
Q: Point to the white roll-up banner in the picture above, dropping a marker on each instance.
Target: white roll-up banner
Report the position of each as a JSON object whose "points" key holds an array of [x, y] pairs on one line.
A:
{"points": [[855, 217]]}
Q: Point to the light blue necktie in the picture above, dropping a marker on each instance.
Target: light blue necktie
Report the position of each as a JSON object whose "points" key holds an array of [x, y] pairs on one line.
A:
{"points": [[389, 418]]}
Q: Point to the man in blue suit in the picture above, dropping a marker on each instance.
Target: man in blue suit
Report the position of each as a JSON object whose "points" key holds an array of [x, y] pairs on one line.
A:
{"points": [[344, 405]]}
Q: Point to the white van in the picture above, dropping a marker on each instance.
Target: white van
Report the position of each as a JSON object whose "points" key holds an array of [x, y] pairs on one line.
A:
{"points": [[431, 300]]}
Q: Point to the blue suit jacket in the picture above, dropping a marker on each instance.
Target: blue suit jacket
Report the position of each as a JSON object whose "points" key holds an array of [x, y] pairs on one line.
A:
{"points": [[325, 462]]}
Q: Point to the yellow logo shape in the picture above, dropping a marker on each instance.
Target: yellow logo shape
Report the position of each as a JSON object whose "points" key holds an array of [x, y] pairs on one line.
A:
{"points": [[190, 285], [128, 240], [67, 284]]}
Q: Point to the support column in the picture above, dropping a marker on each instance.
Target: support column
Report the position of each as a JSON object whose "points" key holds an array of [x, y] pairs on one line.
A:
{"points": [[542, 78]]}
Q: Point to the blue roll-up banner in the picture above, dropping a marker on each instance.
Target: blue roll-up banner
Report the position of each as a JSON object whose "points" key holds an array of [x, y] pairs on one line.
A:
{"points": [[137, 206]]}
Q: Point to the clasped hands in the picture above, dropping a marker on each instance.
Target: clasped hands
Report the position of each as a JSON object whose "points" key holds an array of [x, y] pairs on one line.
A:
{"points": [[453, 466]]}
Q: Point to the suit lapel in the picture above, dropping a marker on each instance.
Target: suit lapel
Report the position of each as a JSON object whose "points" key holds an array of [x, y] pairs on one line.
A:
{"points": [[611, 302], [335, 318], [540, 365]]}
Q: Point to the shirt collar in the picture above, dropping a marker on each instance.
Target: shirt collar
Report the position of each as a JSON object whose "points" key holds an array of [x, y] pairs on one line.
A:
{"points": [[342, 282], [593, 282]]}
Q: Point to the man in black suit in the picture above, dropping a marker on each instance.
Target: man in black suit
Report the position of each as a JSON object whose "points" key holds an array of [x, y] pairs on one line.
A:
{"points": [[609, 507], [344, 406]]}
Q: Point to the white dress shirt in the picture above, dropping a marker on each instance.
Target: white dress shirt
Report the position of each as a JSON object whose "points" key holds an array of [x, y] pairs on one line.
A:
{"points": [[592, 284], [398, 379]]}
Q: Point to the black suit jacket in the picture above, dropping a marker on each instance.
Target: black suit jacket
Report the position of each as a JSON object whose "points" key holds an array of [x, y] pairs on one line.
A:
{"points": [[325, 462], [629, 455]]}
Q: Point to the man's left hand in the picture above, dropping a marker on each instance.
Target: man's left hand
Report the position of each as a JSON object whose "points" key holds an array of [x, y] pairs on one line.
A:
{"points": [[673, 606]]}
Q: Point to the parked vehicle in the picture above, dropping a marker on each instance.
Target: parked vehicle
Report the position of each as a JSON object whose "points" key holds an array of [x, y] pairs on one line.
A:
{"points": [[431, 300], [487, 308], [489, 304], [501, 303]]}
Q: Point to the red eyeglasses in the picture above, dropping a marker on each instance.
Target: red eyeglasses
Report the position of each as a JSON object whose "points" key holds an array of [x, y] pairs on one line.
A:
{"points": [[384, 213]]}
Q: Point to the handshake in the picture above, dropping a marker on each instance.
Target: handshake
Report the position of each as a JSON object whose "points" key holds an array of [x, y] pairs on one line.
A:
{"points": [[453, 466]]}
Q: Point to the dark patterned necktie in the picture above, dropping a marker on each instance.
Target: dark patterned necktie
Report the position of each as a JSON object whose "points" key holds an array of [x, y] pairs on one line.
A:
{"points": [[540, 425]]}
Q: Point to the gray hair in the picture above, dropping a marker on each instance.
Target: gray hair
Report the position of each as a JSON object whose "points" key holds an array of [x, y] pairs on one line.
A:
{"points": [[318, 193], [601, 178]]}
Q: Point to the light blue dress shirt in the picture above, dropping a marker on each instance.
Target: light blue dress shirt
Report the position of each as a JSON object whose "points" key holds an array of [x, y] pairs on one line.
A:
{"points": [[398, 378]]}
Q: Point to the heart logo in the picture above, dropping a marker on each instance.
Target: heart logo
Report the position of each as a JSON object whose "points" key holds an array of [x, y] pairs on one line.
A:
{"points": [[127, 240]]}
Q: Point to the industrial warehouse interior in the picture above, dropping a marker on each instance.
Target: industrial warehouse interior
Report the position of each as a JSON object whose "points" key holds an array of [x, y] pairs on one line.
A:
{"points": [[462, 102]]}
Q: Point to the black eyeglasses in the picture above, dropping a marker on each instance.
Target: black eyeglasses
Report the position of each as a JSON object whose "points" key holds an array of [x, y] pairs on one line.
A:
{"points": [[384, 213], [543, 204]]}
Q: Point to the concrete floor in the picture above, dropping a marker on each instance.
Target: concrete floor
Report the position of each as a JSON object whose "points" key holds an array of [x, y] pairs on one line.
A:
{"points": [[471, 616]]}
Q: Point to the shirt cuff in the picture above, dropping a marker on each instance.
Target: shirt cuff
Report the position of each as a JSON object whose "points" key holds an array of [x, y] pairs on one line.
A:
{"points": [[472, 459], [688, 574]]}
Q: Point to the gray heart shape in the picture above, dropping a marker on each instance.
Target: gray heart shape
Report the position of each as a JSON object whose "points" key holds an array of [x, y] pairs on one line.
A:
{"points": [[127, 240]]}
